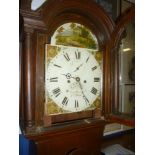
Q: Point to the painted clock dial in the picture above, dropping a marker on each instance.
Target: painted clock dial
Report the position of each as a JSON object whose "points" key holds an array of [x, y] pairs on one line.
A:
{"points": [[73, 78]]}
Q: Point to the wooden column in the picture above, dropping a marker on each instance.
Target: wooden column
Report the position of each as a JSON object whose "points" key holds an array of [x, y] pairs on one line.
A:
{"points": [[28, 79]]}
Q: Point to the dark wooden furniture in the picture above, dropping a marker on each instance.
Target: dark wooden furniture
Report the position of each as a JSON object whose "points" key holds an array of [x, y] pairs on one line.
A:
{"points": [[69, 134]]}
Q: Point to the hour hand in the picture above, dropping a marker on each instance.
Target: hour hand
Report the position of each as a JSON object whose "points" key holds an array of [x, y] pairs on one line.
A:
{"points": [[77, 68], [68, 76]]}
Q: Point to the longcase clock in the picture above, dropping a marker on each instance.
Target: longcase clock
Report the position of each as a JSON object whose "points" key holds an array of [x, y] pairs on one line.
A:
{"points": [[66, 87]]}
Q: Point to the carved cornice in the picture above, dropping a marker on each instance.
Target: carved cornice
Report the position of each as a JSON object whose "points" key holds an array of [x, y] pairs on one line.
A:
{"points": [[33, 19], [85, 8]]}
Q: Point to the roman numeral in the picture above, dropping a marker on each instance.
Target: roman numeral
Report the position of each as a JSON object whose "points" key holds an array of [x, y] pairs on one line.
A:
{"points": [[57, 66], [86, 100], [94, 68], [66, 56], [94, 91], [55, 79], [76, 104], [56, 92], [96, 79], [65, 101], [87, 59], [77, 55]]}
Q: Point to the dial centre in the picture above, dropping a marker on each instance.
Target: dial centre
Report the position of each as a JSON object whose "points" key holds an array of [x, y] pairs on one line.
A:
{"points": [[68, 75], [77, 79]]}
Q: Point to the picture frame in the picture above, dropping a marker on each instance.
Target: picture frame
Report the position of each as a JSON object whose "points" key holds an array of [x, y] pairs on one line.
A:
{"points": [[113, 7]]}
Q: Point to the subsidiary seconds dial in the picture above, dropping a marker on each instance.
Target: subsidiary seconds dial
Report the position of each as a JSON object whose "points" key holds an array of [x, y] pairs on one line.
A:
{"points": [[73, 78]]}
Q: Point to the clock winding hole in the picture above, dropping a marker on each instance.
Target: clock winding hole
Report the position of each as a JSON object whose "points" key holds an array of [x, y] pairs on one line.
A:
{"points": [[77, 79]]}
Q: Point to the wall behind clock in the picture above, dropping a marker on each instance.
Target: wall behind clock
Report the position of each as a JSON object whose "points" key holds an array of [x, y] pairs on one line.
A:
{"points": [[36, 4]]}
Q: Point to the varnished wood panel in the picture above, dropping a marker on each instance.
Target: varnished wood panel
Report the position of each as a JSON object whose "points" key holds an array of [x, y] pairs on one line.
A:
{"points": [[80, 138], [41, 40]]}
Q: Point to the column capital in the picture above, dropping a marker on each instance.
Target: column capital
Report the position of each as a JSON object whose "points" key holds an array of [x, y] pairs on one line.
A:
{"points": [[28, 30]]}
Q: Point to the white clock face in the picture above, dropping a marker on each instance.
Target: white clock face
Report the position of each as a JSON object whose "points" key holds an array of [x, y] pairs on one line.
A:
{"points": [[73, 79]]}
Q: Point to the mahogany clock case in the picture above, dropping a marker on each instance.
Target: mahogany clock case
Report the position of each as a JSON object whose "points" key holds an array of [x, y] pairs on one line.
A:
{"points": [[36, 29], [84, 130]]}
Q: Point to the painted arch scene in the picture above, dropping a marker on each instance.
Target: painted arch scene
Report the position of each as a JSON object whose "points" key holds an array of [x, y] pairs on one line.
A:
{"points": [[74, 34]]}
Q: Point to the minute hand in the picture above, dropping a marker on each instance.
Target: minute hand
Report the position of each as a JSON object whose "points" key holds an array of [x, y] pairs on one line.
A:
{"points": [[81, 88], [85, 98]]}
